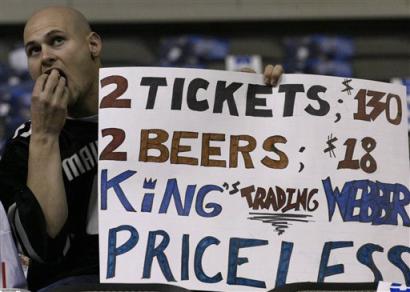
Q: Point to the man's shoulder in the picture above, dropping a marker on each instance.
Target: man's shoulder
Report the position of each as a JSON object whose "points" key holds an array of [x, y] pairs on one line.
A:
{"points": [[18, 144]]}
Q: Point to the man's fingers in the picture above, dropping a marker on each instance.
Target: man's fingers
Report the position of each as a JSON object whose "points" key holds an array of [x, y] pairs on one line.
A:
{"points": [[64, 97], [58, 93], [51, 82], [60, 96], [267, 74], [277, 72], [39, 85], [272, 74]]}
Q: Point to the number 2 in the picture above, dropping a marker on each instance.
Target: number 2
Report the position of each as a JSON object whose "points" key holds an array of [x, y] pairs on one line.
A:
{"points": [[111, 100]]}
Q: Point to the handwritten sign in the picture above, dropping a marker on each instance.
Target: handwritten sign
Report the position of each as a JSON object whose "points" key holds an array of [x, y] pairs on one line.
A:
{"points": [[211, 180]]}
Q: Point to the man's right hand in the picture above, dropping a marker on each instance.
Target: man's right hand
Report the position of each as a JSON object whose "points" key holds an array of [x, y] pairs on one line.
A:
{"points": [[49, 104], [45, 178]]}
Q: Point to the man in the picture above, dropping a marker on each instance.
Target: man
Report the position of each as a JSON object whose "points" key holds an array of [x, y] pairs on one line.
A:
{"points": [[49, 192], [50, 210]]}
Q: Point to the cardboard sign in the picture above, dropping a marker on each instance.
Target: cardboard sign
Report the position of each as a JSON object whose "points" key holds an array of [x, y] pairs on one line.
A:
{"points": [[211, 180]]}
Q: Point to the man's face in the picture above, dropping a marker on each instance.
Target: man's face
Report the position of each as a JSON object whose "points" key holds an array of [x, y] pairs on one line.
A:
{"points": [[53, 41]]}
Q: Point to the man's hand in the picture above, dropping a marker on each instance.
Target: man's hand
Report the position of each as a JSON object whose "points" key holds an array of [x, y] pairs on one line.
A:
{"points": [[49, 104], [271, 74], [45, 177]]}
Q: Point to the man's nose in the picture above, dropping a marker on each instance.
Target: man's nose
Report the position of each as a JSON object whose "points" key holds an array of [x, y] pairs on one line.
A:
{"points": [[47, 56]]}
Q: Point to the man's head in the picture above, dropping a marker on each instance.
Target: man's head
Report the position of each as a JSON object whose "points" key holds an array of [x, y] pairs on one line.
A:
{"points": [[60, 38]]}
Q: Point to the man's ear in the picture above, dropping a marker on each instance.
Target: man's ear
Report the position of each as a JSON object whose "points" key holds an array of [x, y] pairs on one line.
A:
{"points": [[95, 44]]}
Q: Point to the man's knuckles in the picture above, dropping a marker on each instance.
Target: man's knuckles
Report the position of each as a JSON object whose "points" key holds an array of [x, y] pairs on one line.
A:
{"points": [[58, 106], [47, 101]]}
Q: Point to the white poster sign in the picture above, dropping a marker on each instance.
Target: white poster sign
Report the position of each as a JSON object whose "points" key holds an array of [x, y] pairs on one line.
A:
{"points": [[211, 180]]}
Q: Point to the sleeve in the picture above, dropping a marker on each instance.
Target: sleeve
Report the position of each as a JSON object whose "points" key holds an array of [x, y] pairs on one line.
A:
{"points": [[24, 212]]}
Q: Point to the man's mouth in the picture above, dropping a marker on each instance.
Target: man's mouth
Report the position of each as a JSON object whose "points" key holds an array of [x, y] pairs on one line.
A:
{"points": [[61, 72]]}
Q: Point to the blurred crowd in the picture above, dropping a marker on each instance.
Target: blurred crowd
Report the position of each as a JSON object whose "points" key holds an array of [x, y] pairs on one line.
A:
{"points": [[15, 94]]}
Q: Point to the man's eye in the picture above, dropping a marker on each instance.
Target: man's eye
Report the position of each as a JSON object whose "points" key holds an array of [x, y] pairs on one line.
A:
{"points": [[58, 41], [33, 51]]}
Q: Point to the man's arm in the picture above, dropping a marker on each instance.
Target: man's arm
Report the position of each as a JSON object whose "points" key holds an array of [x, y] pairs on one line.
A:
{"points": [[44, 178]]}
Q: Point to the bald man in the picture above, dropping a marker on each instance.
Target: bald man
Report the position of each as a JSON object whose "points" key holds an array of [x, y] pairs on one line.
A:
{"points": [[48, 170]]}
